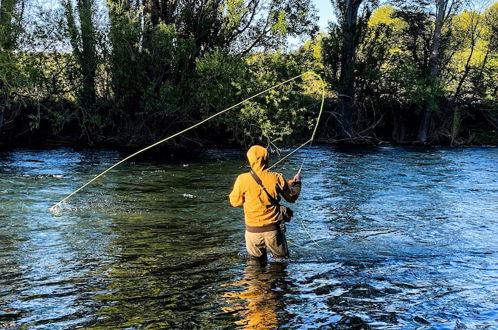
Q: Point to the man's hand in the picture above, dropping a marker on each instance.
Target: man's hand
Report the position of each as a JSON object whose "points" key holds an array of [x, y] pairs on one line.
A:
{"points": [[297, 177], [294, 186]]}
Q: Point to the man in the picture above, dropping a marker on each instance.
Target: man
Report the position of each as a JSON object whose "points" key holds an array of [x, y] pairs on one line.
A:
{"points": [[264, 229]]}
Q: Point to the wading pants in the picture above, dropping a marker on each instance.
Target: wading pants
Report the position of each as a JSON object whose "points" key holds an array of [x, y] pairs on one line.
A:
{"points": [[258, 243]]}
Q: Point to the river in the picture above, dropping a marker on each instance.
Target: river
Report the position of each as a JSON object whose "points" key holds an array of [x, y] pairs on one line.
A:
{"points": [[385, 237]]}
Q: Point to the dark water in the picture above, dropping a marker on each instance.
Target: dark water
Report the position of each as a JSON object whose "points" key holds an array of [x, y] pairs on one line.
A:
{"points": [[389, 237]]}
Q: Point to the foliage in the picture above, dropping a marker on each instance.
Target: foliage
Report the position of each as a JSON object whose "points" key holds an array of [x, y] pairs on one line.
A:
{"points": [[393, 81], [127, 73], [285, 111]]}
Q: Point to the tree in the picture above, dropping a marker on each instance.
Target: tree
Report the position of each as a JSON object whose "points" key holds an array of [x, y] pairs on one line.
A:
{"points": [[434, 61], [350, 30], [82, 40], [9, 31], [157, 47], [7, 26], [441, 11]]}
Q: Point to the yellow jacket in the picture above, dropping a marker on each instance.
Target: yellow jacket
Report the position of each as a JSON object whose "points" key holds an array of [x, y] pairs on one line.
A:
{"points": [[258, 210]]}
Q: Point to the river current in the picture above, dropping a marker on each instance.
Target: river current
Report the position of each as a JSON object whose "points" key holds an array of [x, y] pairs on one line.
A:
{"points": [[386, 237]]}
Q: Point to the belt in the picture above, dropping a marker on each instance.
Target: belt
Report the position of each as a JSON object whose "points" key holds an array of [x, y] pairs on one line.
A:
{"points": [[263, 229]]}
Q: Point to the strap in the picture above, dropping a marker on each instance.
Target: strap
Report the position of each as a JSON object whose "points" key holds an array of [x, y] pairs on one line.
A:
{"points": [[260, 183]]}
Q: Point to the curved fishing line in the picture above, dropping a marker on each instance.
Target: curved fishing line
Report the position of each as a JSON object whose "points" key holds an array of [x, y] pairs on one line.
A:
{"points": [[310, 141], [55, 206]]}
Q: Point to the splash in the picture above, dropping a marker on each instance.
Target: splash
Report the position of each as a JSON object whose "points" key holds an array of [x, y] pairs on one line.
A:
{"points": [[56, 210]]}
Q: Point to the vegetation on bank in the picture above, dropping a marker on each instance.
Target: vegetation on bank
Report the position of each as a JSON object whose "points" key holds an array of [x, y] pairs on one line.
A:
{"points": [[128, 73]]}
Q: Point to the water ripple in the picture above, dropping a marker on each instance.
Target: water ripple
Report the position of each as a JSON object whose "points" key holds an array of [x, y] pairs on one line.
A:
{"points": [[384, 237]]}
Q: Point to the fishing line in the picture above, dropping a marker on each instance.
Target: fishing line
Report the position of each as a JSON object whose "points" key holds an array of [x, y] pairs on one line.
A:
{"points": [[56, 207], [310, 141]]}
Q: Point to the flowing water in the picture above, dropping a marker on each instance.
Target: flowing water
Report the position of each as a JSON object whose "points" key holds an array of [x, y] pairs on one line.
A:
{"points": [[381, 238]]}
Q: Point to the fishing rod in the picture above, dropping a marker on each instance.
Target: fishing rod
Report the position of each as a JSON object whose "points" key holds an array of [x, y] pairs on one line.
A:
{"points": [[57, 206]]}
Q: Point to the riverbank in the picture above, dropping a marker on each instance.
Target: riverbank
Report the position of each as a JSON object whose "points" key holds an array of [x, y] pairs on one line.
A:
{"points": [[40, 140]]}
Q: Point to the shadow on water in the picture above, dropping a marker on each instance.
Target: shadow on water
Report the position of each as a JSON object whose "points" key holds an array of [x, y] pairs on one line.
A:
{"points": [[382, 237]]}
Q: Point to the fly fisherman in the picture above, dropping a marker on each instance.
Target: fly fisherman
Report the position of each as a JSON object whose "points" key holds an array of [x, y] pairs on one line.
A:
{"points": [[259, 193]]}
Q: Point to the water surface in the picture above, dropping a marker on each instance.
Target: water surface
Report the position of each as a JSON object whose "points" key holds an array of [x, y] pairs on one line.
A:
{"points": [[385, 237]]}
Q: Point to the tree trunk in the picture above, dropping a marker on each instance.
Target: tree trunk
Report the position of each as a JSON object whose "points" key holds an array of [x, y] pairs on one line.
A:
{"points": [[83, 44], [455, 125], [3, 102], [424, 124], [346, 107], [7, 38], [398, 135], [434, 58], [7, 43], [126, 68], [160, 10], [88, 60]]}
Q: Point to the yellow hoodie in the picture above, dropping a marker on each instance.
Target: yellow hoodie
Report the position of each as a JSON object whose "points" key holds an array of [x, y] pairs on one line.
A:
{"points": [[258, 210]]}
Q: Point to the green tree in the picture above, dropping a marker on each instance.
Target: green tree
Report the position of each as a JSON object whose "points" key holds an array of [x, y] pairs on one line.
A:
{"points": [[81, 32], [439, 12], [8, 27], [9, 32], [345, 37], [159, 46]]}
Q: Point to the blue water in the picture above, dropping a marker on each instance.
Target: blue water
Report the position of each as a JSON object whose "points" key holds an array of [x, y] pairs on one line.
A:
{"points": [[384, 237]]}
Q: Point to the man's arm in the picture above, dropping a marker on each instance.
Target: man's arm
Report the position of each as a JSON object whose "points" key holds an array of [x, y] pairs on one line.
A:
{"points": [[237, 195], [292, 188]]}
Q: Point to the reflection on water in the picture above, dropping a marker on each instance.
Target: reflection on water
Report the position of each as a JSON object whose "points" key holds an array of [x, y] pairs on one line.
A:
{"points": [[258, 298], [385, 237]]}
